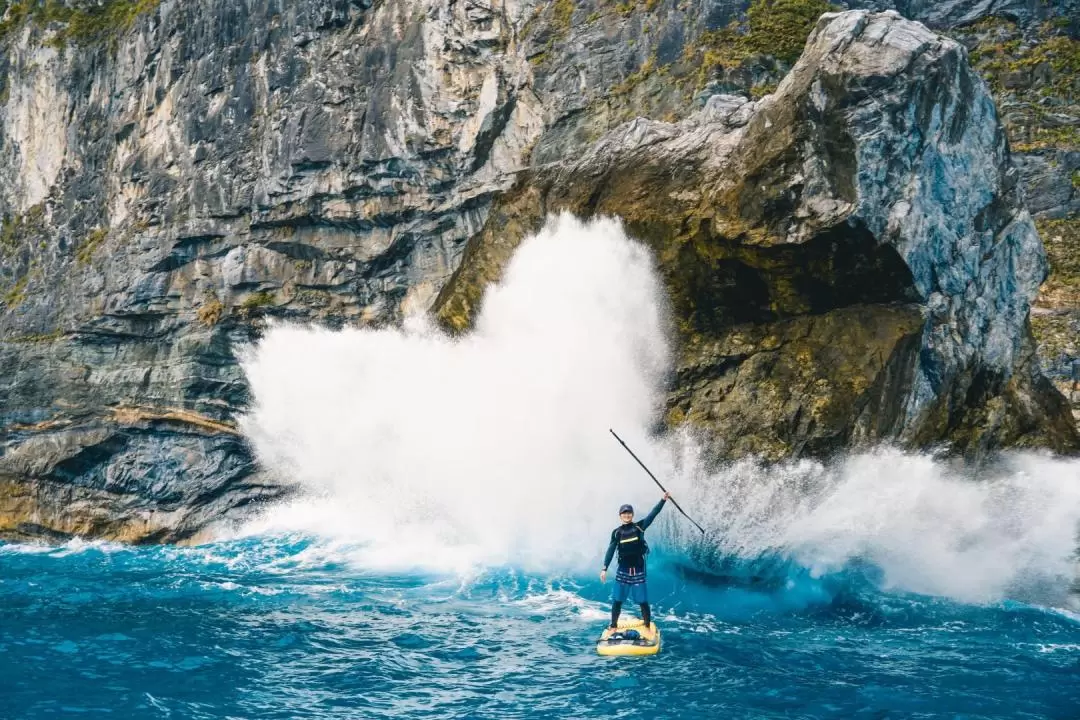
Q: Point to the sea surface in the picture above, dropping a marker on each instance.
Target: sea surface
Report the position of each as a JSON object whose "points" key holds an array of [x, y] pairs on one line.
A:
{"points": [[289, 626]]}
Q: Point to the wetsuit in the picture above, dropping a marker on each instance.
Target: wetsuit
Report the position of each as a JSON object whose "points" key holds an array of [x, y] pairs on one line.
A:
{"points": [[629, 540]]}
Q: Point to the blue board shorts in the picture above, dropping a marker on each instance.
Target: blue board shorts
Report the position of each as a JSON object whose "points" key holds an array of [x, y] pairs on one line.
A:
{"points": [[636, 592]]}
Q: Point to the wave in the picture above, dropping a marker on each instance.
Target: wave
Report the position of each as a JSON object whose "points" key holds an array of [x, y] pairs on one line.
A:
{"points": [[922, 524], [421, 450]]}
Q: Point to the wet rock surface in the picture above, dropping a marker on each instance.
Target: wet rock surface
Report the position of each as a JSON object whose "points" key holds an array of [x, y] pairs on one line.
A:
{"points": [[173, 183]]}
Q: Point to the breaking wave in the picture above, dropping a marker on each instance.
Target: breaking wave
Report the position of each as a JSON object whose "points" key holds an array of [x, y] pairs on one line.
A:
{"points": [[419, 449]]}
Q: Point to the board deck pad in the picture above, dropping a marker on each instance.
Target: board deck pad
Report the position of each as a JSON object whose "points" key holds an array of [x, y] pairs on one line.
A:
{"points": [[621, 641]]}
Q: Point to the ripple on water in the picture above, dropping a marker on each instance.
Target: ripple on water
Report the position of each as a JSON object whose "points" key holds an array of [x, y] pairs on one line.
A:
{"points": [[156, 631]]}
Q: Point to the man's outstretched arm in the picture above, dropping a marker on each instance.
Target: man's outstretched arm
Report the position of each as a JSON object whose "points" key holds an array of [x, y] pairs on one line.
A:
{"points": [[647, 520]]}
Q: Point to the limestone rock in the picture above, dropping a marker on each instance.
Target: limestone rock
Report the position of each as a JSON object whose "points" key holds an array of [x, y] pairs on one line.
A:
{"points": [[852, 264]]}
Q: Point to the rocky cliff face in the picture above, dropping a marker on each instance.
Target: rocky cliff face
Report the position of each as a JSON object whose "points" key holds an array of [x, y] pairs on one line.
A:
{"points": [[1033, 70], [176, 172], [849, 257]]}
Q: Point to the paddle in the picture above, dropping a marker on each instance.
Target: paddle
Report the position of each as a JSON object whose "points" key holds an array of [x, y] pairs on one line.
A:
{"points": [[655, 480]]}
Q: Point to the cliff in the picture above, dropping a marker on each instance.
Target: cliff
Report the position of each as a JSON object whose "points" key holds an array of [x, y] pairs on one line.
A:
{"points": [[174, 173], [849, 258]]}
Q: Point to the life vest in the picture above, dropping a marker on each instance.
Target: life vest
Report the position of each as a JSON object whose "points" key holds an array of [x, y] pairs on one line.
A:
{"points": [[631, 544]]}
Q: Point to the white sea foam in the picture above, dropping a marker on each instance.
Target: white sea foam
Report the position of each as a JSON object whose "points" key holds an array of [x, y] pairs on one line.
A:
{"points": [[492, 448], [927, 526]]}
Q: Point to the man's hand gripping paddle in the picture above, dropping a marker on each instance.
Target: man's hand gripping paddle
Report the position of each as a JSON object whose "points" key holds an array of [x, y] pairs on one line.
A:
{"points": [[666, 493]]}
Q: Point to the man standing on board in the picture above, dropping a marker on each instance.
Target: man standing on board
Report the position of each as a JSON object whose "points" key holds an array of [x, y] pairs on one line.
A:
{"points": [[629, 540]]}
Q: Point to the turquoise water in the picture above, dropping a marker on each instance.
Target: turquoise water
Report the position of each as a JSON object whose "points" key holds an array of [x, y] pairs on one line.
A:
{"points": [[287, 627]]}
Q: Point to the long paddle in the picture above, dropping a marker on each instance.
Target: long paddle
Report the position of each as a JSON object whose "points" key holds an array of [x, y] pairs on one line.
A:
{"points": [[655, 480]]}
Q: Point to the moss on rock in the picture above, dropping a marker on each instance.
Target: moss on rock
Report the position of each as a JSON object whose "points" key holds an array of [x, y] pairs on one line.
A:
{"points": [[780, 27], [80, 23], [808, 384], [518, 213], [1061, 238], [1034, 76]]}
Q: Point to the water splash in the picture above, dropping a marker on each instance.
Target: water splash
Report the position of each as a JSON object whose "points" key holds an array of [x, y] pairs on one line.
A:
{"points": [[923, 525], [419, 449], [490, 448]]}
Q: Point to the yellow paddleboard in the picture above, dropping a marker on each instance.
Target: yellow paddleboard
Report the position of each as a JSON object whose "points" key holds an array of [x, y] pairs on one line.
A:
{"points": [[631, 638]]}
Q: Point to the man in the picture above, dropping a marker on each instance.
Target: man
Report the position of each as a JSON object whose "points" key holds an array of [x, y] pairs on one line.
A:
{"points": [[629, 540]]}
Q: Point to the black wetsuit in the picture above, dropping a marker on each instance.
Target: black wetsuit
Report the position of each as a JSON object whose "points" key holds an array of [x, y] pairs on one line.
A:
{"points": [[629, 540]]}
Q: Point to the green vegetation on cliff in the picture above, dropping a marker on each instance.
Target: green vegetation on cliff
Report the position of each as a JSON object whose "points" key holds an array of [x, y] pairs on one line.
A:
{"points": [[210, 312], [1035, 79], [1034, 74], [255, 302], [999, 60], [16, 293], [1062, 241], [17, 233], [564, 12], [778, 28], [16, 230], [82, 22], [752, 54], [1055, 321], [86, 250]]}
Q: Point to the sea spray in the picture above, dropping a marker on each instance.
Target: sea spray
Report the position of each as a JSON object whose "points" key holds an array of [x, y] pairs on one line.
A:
{"points": [[418, 449], [924, 525], [493, 447]]}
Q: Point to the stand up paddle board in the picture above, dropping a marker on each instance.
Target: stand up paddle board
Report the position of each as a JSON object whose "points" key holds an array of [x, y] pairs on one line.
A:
{"points": [[631, 638]]}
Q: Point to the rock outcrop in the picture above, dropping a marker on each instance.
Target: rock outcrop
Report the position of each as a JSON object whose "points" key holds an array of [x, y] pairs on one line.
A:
{"points": [[849, 258], [1033, 69], [175, 172]]}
